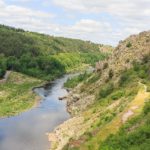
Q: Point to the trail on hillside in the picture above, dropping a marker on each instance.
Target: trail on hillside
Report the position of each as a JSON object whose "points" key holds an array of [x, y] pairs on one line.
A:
{"points": [[74, 127], [134, 108]]}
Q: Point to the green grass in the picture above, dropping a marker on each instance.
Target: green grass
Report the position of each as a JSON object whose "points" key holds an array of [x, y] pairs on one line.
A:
{"points": [[16, 94], [135, 135]]}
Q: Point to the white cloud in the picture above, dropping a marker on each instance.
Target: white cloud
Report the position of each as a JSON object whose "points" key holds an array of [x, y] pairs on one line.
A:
{"points": [[129, 17], [25, 18], [90, 26], [123, 8], [24, 1], [132, 15]]}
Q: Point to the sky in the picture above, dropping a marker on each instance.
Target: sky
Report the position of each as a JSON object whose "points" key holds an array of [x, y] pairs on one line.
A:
{"points": [[100, 21]]}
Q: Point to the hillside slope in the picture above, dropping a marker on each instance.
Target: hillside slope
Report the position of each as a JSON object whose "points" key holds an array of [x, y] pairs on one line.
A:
{"points": [[110, 108], [43, 56], [129, 52]]}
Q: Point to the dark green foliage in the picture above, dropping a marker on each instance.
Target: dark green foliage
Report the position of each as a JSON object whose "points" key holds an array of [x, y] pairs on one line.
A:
{"points": [[106, 90], [117, 95], [140, 70], [143, 69], [128, 45], [41, 55], [2, 66], [147, 107], [108, 117], [125, 77], [111, 73]]}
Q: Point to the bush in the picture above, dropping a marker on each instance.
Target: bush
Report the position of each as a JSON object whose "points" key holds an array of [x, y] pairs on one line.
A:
{"points": [[124, 77], [107, 90], [2, 66], [111, 73], [105, 65], [94, 78], [2, 72], [148, 88], [146, 58], [117, 95], [147, 108], [128, 45]]}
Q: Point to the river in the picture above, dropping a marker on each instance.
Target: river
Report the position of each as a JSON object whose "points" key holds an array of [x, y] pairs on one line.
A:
{"points": [[27, 131]]}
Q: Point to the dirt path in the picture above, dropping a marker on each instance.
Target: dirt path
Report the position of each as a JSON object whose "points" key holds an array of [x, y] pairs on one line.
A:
{"points": [[134, 108], [76, 126]]}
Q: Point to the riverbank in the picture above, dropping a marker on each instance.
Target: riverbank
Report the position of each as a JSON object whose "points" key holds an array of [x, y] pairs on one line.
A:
{"points": [[27, 130], [76, 130], [16, 94]]}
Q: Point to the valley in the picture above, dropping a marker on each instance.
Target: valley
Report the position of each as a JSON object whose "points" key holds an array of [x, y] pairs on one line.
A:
{"points": [[106, 108]]}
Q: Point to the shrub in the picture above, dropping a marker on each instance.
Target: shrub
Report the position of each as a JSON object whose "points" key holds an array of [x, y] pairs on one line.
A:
{"points": [[2, 66], [128, 45], [111, 73], [146, 58], [94, 78], [105, 65], [147, 108], [148, 89], [105, 91], [124, 77], [117, 95], [108, 117]]}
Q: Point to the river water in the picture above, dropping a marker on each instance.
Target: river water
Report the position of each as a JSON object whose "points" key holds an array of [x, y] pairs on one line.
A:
{"points": [[27, 131]]}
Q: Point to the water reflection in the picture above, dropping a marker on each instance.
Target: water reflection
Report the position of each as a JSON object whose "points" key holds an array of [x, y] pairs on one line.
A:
{"points": [[27, 131]]}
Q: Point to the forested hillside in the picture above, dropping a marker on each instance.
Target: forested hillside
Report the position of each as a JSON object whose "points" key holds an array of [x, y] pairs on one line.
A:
{"points": [[43, 56]]}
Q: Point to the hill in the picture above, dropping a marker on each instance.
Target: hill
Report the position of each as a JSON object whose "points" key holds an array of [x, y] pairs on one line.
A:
{"points": [[43, 56], [110, 107]]}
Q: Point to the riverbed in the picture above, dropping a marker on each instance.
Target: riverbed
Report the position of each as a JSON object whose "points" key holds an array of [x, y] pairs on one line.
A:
{"points": [[27, 131]]}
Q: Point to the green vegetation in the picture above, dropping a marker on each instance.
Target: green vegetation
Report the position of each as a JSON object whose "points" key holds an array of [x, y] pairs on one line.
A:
{"points": [[115, 100], [42, 56], [128, 45], [117, 95], [133, 135], [16, 94], [74, 81], [106, 90], [2, 66]]}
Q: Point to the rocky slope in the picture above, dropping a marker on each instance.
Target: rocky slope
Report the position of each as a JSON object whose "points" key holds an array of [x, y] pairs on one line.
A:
{"points": [[112, 95], [126, 53]]}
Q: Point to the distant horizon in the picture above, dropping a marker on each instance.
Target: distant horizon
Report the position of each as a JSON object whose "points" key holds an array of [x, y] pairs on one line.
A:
{"points": [[54, 35], [101, 22]]}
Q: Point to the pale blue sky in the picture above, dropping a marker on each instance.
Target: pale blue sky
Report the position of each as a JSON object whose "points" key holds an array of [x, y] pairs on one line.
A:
{"points": [[101, 21]]}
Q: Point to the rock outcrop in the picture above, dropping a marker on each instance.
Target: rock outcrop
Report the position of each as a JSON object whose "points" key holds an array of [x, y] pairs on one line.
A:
{"points": [[131, 50]]}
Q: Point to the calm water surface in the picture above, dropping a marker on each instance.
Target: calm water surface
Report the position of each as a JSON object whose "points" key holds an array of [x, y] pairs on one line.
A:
{"points": [[27, 131]]}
